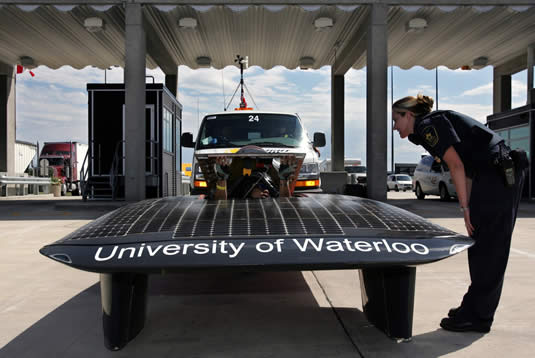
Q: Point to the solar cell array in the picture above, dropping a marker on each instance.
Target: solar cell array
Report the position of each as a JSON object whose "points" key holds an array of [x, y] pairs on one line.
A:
{"points": [[316, 215]]}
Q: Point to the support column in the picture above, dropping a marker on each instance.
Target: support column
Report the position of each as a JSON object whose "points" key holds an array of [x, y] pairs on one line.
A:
{"points": [[501, 92], [134, 76], [388, 299], [530, 60], [124, 307], [376, 103], [171, 82], [7, 119], [337, 122]]}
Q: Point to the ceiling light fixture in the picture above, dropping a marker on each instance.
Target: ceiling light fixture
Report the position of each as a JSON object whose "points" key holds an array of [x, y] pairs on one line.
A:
{"points": [[27, 62], [323, 23], [94, 24], [187, 23], [416, 24], [204, 61], [480, 62], [306, 62]]}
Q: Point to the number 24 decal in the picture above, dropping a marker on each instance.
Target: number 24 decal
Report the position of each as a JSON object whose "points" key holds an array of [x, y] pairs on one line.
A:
{"points": [[254, 118]]}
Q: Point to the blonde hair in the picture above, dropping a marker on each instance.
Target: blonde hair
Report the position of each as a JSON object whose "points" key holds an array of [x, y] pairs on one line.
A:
{"points": [[419, 105]]}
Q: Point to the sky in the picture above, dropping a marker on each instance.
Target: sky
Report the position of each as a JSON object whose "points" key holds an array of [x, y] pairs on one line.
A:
{"points": [[52, 106]]}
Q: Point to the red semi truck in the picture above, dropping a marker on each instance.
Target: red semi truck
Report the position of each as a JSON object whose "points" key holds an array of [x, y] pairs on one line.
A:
{"points": [[66, 158]]}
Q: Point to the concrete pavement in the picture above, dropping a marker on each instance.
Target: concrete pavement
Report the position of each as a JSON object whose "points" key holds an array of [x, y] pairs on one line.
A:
{"points": [[50, 310]]}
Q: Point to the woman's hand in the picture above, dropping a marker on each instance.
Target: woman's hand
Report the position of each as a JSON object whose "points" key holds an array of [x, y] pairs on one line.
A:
{"points": [[469, 227], [222, 167], [287, 168], [462, 184]]}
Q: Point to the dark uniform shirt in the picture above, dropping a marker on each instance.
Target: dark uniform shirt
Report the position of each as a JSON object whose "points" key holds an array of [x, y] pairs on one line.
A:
{"points": [[475, 143]]}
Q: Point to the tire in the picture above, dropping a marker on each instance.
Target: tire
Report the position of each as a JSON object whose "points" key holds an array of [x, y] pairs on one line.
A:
{"points": [[443, 190], [419, 193]]}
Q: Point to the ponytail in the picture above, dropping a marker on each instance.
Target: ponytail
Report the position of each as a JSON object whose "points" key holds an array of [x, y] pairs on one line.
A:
{"points": [[419, 105]]}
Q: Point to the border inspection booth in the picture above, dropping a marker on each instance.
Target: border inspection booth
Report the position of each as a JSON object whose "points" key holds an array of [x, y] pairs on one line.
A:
{"points": [[106, 162]]}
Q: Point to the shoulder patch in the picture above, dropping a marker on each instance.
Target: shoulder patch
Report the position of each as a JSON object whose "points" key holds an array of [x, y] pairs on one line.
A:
{"points": [[430, 135]]}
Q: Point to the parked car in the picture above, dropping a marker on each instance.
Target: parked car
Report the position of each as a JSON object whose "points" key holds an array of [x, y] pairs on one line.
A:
{"points": [[398, 182], [433, 178], [356, 174]]}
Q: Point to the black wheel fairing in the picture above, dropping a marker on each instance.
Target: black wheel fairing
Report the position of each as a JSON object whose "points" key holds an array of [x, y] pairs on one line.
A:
{"points": [[315, 232]]}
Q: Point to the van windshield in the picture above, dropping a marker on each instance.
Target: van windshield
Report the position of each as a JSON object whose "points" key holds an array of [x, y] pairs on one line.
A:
{"points": [[240, 129], [355, 169]]}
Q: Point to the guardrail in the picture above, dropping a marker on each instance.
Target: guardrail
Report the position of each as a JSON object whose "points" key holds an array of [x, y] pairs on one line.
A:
{"points": [[21, 181]]}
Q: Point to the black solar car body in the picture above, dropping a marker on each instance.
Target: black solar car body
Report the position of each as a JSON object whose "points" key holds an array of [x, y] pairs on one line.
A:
{"points": [[321, 231]]}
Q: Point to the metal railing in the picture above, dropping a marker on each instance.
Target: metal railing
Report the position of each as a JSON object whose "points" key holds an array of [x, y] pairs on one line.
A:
{"points": [[114, 169], [6, 180], [117, 165], [83, 176]]}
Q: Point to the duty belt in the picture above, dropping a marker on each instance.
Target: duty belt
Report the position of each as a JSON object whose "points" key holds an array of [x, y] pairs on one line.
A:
{"points": [[503, 161]]}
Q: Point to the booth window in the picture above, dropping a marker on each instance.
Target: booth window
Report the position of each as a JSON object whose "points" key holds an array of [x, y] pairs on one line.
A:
{"points": [[167, 130], [517, 137], [178, 148]]}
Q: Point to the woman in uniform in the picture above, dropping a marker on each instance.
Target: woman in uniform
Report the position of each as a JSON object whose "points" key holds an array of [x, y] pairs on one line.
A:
{"points": [[488, 178]]}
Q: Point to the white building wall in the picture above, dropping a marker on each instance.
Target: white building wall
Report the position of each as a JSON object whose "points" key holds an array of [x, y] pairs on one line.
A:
{"points": [[24, 154]]}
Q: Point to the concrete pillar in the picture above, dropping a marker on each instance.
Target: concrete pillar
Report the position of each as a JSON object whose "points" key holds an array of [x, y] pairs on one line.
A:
{"points": [[134, 76], [376, 102], [501, 92], [7, 118], [337, 123], [530, 60], [171, 82]]}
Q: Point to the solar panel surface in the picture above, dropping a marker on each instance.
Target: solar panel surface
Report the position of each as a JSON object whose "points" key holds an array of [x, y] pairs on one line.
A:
{"points": [[189, 217]]}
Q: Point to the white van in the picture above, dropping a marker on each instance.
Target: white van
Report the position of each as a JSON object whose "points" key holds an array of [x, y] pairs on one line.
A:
{"points": [[433, 178], [275, 132]]}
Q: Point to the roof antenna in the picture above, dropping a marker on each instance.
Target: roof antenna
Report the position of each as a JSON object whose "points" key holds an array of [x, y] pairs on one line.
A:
{"points": [[244, 63], [223, 86]]}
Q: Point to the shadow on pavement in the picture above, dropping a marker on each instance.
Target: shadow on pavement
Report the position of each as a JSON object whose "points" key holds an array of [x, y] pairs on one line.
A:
{"points": [[225, 315], [54, 209]]}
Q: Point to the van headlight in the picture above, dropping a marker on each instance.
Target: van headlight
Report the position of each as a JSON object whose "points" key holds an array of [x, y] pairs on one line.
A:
{"points": [[309, 170], [198, 175]]}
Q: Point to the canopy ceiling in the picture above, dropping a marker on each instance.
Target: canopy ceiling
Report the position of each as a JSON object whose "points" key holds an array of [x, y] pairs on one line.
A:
{"points": [[271, 35]]}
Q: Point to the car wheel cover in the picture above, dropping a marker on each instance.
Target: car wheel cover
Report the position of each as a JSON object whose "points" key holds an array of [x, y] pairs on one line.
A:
{"points": [[419, 191]]}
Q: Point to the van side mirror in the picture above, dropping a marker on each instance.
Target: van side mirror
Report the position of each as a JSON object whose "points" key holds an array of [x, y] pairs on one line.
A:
{"points": [[186, 139], [319, 140]]}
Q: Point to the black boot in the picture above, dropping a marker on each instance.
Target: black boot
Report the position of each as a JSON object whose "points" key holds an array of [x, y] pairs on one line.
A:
{"points": [[461, 324], [453, 311]]}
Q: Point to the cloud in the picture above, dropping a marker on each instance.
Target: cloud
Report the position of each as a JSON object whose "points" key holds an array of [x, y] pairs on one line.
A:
{"points": [[424, 89], [355, 78], [475, 110], [518, 89], [478, 91]]}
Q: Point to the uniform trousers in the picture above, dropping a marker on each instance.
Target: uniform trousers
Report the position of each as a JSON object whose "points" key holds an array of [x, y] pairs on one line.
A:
{"points": [[493, 210]]}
